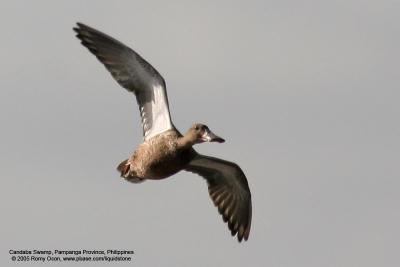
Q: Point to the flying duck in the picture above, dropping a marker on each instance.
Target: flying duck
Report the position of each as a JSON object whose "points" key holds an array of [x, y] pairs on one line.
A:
{"points": [[165, 151]]}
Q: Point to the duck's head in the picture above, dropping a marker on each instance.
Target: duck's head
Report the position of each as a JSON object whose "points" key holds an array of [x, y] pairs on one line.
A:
{"points": [[200, 133]]}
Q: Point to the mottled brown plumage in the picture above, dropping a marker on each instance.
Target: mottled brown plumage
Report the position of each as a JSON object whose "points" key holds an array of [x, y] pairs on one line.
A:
{"points": [[158, 158]]}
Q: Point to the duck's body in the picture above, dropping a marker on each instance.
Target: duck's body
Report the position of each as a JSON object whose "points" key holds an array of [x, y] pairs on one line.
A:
{"points": [[157, 158], [165, 151]]}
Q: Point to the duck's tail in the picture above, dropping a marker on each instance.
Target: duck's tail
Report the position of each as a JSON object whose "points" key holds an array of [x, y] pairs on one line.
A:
{"points": [[125, 169]]}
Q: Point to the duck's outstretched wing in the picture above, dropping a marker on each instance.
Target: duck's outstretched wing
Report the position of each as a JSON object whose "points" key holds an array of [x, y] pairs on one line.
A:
{"points": [[229, 191], [133, 73]]}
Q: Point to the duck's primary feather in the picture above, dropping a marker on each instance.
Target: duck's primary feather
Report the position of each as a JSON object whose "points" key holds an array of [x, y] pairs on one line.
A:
{"points": [[133, 73], [228, 189]]}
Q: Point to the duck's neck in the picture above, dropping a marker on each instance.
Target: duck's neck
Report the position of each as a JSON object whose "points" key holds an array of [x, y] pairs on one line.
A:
{"points": [[186, 141]]}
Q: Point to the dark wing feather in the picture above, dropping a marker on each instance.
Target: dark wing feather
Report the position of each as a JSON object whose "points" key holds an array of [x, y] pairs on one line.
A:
{"points": [[229, 190], [133, 73]]}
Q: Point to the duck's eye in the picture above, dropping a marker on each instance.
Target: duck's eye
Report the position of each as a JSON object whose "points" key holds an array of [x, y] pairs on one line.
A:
{"points": [[196, 128]]}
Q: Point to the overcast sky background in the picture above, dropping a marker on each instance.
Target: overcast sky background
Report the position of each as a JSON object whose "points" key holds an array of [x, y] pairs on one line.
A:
{"points": [[306, 93]]}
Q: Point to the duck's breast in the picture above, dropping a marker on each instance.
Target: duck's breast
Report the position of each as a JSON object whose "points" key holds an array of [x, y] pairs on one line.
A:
{"points": [[160, 157]]}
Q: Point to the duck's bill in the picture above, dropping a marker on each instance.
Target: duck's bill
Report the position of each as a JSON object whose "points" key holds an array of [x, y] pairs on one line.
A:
{"points": [[211, 137]]}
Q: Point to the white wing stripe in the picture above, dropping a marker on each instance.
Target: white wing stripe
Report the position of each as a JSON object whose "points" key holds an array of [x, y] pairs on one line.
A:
{"points": [[161, 121]]}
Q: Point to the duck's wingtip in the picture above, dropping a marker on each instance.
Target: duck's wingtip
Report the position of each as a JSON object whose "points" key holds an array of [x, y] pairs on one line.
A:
{"points": [[80, 24]]}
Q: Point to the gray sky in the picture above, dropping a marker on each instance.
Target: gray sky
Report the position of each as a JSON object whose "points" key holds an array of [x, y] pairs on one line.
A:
{"points": [[306, 93]]}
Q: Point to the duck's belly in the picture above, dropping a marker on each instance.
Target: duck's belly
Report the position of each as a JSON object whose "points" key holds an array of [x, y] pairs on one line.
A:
{"points": [[164, 168], [159, 158]]}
